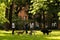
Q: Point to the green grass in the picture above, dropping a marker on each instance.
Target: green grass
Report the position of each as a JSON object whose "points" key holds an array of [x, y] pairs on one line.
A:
{"points": [[6, 35]]}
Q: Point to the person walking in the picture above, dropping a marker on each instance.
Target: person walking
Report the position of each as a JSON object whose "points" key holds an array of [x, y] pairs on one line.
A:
{"points": [[13, 28], [26, 27], [31, 27]]}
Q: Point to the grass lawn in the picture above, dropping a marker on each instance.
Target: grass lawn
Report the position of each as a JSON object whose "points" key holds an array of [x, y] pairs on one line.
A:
{"points": [[6, 35]]}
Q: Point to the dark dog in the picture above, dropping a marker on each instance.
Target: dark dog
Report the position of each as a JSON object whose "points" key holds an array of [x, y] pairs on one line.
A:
{"points": [[46, 31], [20, 32]]}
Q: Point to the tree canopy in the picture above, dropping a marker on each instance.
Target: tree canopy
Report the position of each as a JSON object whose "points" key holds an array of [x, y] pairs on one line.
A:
{"points": [[49, 5], [3, 5]]}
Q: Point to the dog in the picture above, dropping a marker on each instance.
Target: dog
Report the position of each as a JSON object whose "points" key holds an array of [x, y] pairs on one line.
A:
{"points": [[20, 32], [46, 31]]}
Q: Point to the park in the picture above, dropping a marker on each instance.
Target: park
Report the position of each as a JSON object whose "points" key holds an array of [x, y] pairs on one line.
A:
{"points": [[29, 19]]}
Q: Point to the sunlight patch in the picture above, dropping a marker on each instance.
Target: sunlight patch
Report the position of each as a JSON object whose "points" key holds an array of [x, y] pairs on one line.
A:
{"points": [[55, 33], [37, 33], [5, 31], [58, 37], [2, 35]]}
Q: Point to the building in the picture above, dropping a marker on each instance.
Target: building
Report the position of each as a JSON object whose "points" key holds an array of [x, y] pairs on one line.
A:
{"points": [[23, 13]]}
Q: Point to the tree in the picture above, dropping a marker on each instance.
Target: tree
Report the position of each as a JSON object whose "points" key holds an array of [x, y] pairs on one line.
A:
{"points": [[15, 8], [3, 5], [41, 6], [37, 6]]}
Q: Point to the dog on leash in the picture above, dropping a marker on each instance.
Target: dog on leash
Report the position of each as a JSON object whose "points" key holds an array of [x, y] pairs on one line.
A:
{"points": [[20, 32]]}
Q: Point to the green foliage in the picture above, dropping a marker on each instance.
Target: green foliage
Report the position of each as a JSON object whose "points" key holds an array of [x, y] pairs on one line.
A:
{"points": [[3, 5], [19, 2], [36, 5], [2, 12], [58, 13], [52, 6], [17, 20]]}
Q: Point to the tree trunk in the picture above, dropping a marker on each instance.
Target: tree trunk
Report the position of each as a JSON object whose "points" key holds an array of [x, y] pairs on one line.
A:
{"points": [[6, 16], [43, 19], [10, 15]]}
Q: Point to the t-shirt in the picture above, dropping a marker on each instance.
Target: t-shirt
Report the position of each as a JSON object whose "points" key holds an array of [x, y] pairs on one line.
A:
{"points": [[13, 25], [54, 24], [31, 25]]}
